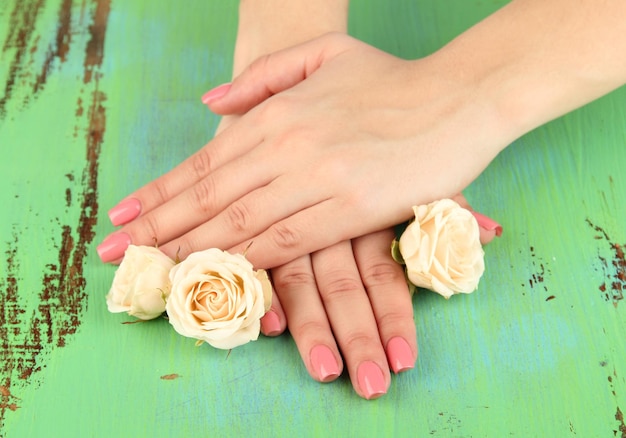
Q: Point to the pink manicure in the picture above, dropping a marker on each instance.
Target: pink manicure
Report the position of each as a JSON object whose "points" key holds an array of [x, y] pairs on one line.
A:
{"points": [[215, 93], [399, 355], [270, 324], [487, 223], [125, 211], [113, 247], [371, 380], [324, 363]]}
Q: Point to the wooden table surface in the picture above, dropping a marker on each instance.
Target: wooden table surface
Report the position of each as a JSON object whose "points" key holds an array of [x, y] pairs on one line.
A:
{"points": [[98, 97]]}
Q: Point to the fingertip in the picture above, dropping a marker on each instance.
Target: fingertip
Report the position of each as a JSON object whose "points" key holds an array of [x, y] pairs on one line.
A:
{"points": [[489, 228], [372, 381], [271, 324], [113, 247], [486, 236], [215, 94], [125, 211], [324, 364], [400, 355]]}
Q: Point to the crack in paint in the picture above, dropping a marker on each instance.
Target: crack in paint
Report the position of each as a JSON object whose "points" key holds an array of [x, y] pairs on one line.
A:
{"points": [[619, 416], [21, 25], [614, 270], [61, 46], [26, 339]]}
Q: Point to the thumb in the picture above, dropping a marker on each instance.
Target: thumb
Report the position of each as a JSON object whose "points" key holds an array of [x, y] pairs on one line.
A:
{"points": [[274, 73]]}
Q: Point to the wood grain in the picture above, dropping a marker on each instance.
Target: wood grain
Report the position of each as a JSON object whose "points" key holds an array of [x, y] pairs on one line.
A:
{"points": [[99, 97]]}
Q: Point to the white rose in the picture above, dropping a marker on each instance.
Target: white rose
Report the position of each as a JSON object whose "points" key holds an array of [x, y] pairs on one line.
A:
{"points": [[442, 250], [217, 297], [141, 283]]}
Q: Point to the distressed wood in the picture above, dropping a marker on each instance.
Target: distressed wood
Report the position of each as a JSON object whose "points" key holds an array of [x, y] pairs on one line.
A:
{"points": [[99, 97]]}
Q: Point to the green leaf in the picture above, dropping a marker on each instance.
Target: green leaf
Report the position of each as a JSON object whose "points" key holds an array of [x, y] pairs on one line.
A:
{"points": [[395, 252]]}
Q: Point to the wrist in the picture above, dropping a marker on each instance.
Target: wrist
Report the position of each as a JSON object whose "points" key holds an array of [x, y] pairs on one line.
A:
{"points": [[530, 71], [271, 25]]}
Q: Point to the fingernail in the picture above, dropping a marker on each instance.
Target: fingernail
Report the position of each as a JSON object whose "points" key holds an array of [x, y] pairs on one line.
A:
{"points": [[399, 355], [113, 247], [125, 211], [215, 93], [487, 223], [270, 324], [324, 363], [371, 380]]}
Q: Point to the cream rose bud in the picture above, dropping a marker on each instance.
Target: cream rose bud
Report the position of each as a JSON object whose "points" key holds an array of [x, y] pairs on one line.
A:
{"points": [[219, 298], [141, 283], [442, 250]]}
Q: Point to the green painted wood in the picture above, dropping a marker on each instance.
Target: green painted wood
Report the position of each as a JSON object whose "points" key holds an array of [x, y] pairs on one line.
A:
{"points": [[99, 97]]}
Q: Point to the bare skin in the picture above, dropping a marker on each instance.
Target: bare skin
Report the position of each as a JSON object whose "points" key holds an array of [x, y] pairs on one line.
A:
{"points": [[377, 134]]}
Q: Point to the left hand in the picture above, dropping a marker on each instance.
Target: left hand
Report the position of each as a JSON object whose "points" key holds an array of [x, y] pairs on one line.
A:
{"points": [[352, 301]]}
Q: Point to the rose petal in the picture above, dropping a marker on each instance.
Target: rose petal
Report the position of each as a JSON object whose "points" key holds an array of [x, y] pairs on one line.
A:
{"points": [[441, 249], [216, 297], [144, 271]]}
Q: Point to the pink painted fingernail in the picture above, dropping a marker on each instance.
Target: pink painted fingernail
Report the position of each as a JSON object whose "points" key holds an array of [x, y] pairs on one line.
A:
{"points": [[371, 380], [399, 355], [125, 211], [215, 93], [487, 223], [270, 324], [113, 247], [324, 363]]}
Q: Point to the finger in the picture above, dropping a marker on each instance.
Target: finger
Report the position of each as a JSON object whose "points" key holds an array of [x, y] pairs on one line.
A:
{"points": [[240, 222], [274, 73], [196, 206], [274, 321], [228, 145], [488, 228], [309, 230], [295, 285], [351, 319], [389, 296]]}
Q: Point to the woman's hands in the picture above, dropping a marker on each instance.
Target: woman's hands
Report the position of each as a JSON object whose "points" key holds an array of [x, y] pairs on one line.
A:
{"points": [[339, 139], [343, 140], [347, 302]]}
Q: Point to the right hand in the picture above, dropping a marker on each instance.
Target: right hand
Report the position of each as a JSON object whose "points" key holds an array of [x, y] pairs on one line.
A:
{"points": [[352, 140]]}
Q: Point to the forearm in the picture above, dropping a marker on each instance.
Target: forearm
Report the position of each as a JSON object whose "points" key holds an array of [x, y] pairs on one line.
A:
{"points": [[538, 59], [266, 26]]}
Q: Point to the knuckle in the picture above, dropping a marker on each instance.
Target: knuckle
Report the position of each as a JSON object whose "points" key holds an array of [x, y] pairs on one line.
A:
{"points": [[358, 340], [203, 196], [293, 278], [340, 285], [238, 217], [151, 227], [382, 273], [162, 192], [285, 237], [396, 320], [310, 326], [201, 163], [259, 65]]}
